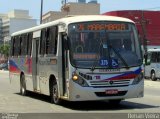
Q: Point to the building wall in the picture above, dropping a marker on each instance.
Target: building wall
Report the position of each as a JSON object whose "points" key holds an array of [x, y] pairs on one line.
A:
{"points": [[151, 19], [72, 9], [20, 24], [52, 15], [83, 9], [0, 30], [5, 27], [19, 14], [14, 21]]}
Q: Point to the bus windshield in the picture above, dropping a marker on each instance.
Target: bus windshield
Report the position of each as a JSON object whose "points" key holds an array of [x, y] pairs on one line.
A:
{"points": [[104, 45]]}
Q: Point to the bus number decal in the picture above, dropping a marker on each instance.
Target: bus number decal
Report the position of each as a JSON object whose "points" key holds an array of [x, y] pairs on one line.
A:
{"points": [[113, 63], [104, 62]]}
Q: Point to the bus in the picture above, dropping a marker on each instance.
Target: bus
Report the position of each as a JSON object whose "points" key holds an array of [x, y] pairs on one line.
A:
{"points": [[152, 64], [79, 58]]}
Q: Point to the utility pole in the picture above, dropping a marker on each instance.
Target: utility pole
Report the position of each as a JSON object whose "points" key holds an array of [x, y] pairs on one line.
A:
{"points": [[143, 24], [41, 12]]}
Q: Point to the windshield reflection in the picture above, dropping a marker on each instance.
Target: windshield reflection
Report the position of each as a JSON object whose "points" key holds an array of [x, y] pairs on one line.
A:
{"points": [[104, 48]]}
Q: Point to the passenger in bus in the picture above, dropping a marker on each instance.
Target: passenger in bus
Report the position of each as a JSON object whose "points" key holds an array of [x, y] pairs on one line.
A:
{"points": [[116, 44], [91, 43], [127, 44]]}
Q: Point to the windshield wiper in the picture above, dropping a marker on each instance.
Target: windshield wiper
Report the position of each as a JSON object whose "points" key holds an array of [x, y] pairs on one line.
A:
{"points": [[119, 55], [94, 64], [98, 52]]}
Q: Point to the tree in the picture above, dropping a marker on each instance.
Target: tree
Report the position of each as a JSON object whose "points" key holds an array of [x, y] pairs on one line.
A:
{"points": [[4, 49]]}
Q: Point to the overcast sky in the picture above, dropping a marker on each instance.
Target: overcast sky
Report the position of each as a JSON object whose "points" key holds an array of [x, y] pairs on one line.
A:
{"points": [[54, 5]]}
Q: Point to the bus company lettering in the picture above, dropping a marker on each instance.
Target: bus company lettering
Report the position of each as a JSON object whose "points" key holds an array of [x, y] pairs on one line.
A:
{"points": [[84, 56], [109, 70]]}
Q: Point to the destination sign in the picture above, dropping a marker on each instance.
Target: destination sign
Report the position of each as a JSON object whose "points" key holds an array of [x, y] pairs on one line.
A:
{"points": [[100, 26]]}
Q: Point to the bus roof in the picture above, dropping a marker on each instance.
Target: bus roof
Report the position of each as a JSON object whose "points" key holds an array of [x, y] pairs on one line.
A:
{"points": [[74, 19]]}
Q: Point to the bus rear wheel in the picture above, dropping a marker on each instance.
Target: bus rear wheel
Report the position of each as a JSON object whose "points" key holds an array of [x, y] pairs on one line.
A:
{"points": [[54, 94], [23, 90], [153, 76]]}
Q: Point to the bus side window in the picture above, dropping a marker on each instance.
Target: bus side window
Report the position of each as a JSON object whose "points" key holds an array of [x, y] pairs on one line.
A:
{"points": [[42, 41], [24, 45], [12, 46], [20, 45], [52, 47], [47, 40], [153, 57], [16, 46], [29, 42], [158, 57]]}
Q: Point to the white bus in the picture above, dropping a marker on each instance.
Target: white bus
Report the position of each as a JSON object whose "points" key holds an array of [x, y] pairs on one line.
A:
{"points": [[152, 64], [79, 58]]}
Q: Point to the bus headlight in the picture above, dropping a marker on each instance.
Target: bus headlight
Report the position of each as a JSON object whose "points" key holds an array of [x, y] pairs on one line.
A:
{"points": [[79, 80], [137, 79], [75, 77]]}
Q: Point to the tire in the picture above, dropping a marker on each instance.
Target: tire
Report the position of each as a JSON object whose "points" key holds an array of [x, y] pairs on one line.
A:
{"points": [[23, 90], [153, 76], [54, 94], [115, 102]]}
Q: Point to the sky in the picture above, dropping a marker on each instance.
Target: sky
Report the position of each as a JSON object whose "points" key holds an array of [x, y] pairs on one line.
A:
{"points": [[55, 5]]}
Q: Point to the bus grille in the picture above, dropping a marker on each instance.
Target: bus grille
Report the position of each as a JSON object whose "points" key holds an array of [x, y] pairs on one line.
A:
{"points": [[110, 83]]}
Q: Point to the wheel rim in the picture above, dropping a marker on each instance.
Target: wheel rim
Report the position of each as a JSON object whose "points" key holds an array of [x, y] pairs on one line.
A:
{"points": [[55, 94], [153, 75], [23, 90]]}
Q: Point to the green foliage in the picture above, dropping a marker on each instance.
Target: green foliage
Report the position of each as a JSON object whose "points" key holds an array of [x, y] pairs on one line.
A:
{"points": [[4, 49]]}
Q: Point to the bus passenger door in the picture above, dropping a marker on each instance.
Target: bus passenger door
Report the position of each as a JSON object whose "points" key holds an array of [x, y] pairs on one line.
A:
{"points": [[65, 73], [35, 64]]}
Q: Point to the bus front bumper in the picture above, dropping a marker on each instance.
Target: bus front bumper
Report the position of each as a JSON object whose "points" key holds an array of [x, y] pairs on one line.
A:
{"points": [[79, 93]]}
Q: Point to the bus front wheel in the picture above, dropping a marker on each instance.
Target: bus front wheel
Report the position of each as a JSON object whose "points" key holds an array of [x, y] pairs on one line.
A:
{"points": [[153, 76], [55, 94], [23, 90]]}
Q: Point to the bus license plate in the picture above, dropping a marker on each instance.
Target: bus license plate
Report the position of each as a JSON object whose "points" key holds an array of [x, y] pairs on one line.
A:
{"points": [[112, 91]]}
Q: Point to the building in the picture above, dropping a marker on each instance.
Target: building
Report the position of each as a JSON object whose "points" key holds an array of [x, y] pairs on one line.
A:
{"points": [[2, 16], [72, 8], [147, 23], [0, 30], [14, 21]]}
